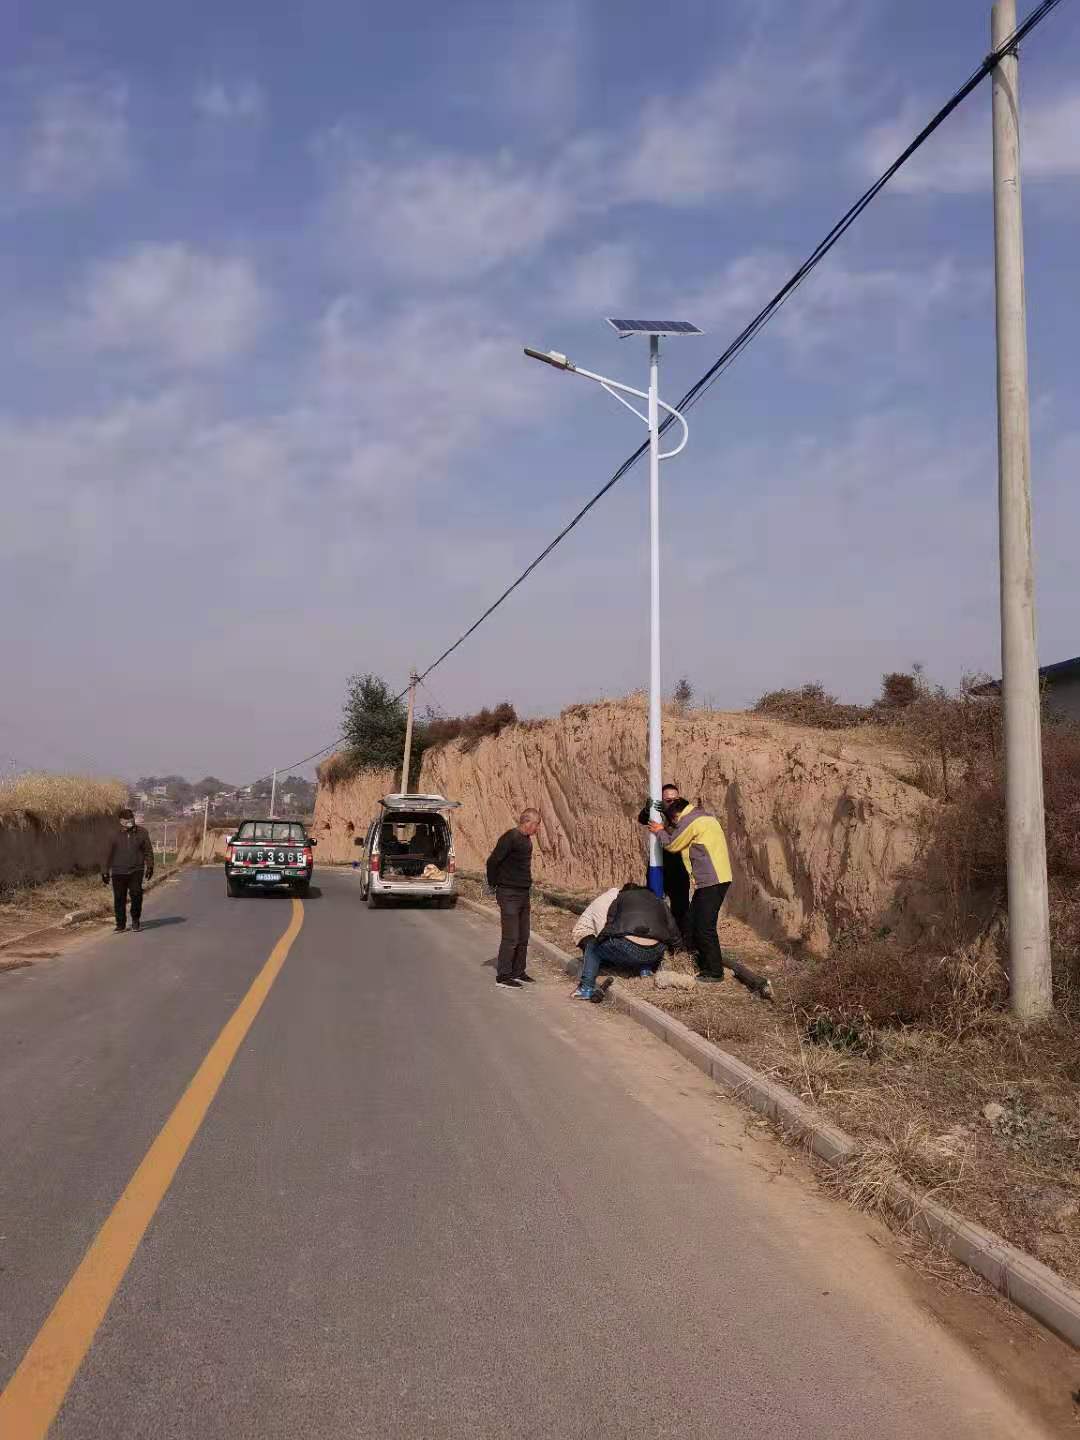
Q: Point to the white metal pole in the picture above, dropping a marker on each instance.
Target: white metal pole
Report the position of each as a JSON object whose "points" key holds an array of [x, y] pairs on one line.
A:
{"points": [[407, 758], [1031, 987], [273, 794], [656, 872], [205, 818]]}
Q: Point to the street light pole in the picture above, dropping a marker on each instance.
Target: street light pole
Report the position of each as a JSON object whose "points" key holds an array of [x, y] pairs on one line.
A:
{"points": [[656, 764], [273, 794], [652, 419], [1030, 973]]}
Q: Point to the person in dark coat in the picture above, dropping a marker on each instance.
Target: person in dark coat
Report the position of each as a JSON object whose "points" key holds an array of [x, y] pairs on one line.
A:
{"points": [[676, 875], [627, 929], [509, 873], [130, 859]]}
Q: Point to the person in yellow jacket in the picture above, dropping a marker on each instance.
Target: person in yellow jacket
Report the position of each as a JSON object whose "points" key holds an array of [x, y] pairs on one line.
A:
{"points": [[699, 838]]}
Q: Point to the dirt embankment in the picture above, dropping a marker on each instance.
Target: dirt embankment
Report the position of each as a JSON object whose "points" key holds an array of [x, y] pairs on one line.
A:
{"points": [[821, 826], [31, 853]]}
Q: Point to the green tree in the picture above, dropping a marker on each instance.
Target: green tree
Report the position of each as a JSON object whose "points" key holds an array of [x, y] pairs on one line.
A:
{"points": [[373, 724], [683, 695]]}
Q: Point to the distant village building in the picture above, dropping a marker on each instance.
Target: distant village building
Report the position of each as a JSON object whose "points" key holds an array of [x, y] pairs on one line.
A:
{"points": [[1061, 686], [162, 790]]}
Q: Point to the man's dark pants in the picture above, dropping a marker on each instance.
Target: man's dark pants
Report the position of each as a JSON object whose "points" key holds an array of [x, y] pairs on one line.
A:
{"points": [[704, 913], [122, 887], [677, 890], [514, 949]]}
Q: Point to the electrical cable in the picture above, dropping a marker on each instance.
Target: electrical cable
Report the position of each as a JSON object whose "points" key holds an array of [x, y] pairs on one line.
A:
{"points": [[745, 336], [760, 320]]}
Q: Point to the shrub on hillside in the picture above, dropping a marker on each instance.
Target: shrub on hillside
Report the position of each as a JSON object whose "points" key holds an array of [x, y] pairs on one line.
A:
{"points": [[962, 862], [470, 729], [874, 981], [53, 801], [898, 690], [811, 704], [339, 767]]}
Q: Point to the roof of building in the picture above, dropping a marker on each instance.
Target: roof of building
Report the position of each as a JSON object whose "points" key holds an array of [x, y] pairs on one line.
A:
{"points": [[1060, 670]]}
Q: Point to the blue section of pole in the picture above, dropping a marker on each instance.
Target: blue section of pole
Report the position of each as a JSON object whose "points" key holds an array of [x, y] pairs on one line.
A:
{"points": [[656, 880]]}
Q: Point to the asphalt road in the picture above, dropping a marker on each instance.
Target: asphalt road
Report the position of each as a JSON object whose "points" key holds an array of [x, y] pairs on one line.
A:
{"points": [[422, 1206]]}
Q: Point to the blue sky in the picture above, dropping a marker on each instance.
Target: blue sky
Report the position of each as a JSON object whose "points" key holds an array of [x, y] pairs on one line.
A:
{"points": [[264, 419]]}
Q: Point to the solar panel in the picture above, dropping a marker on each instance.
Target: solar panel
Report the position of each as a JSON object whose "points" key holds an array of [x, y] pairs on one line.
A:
{"points": [[654, 327]]}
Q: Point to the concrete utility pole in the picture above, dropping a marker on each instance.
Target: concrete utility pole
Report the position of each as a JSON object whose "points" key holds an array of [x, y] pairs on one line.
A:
{"points": [[205, 818], [407, 761], [273, 794], [1030, 979]]}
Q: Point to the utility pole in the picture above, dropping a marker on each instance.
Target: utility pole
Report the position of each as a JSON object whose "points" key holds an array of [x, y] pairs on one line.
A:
{"points": [[1030, 976], [205, 818], [273, 794], [656, 779], [407, 761]]}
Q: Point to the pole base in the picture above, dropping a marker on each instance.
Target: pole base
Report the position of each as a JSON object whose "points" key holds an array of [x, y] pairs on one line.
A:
{"points": [[656, 880]]}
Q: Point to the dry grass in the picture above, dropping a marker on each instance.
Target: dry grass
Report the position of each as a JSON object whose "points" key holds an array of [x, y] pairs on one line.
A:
{"points": [[52, 801]]}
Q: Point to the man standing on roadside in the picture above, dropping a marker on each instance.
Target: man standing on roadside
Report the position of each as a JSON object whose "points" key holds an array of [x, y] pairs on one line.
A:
{"points": [[131, 855], [698, 837], [676, 875], [509, 873]]}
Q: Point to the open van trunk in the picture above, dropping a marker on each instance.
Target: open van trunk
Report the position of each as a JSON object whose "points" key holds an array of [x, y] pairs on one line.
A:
{"points": [[414, 845]]}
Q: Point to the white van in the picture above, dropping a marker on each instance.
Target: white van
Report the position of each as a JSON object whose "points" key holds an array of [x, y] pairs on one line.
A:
{"points": [[409, 851]]}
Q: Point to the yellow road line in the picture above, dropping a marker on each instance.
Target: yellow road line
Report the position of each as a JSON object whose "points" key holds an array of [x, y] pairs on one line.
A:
{"points": [[36, 1391]]}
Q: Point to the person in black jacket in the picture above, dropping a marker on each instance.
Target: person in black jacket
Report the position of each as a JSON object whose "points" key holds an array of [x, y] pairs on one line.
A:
{"points": [[627, 929], [676, 875], [131, 856], [509, 873]]}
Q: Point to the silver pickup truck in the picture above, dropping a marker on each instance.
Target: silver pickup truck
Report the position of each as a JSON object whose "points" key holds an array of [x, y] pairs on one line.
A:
{"points": [[408, 851]]}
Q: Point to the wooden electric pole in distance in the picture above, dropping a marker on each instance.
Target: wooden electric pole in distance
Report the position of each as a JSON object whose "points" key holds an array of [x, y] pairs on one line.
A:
{"points": [[407, 761]]}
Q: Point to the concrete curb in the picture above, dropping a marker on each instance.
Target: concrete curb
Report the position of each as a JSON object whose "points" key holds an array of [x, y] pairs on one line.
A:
{"points": [[33, 937], [1044, 1294]]}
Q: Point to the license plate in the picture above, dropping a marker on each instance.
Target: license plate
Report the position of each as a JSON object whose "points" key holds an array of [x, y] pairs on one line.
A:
{"points": [[269, 877]]}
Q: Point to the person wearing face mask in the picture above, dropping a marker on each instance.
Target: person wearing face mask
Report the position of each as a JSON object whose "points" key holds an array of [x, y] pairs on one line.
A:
{"points": [[130, 858]]}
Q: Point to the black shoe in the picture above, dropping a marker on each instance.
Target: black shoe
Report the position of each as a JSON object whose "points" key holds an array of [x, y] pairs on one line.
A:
{"points": [[136, 924], [705, 978], [119, 929], [529, 979], [506, 980]]}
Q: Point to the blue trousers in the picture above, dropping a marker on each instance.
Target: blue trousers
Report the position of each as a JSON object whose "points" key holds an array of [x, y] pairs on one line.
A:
{"points": [[620, 955]]}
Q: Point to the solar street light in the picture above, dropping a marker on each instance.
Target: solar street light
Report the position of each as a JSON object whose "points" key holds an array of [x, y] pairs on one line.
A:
{"points": [[654, 329]]}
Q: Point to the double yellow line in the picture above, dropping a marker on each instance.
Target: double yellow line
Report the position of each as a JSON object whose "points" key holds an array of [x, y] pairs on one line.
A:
{"points": [[36, 1391]]}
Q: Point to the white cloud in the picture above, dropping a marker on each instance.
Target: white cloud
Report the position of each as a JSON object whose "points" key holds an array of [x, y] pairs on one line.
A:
{"points": [[595, 282], [437, 215], [957, 160], [537, 81], [74, 140], [406, 393], [241, 101], [173, 303], [865, 311], [732, 131]]}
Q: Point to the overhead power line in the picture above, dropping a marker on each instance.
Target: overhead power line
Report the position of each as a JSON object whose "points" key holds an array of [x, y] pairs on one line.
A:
{"points": [[756, 325], [762, 318]]}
